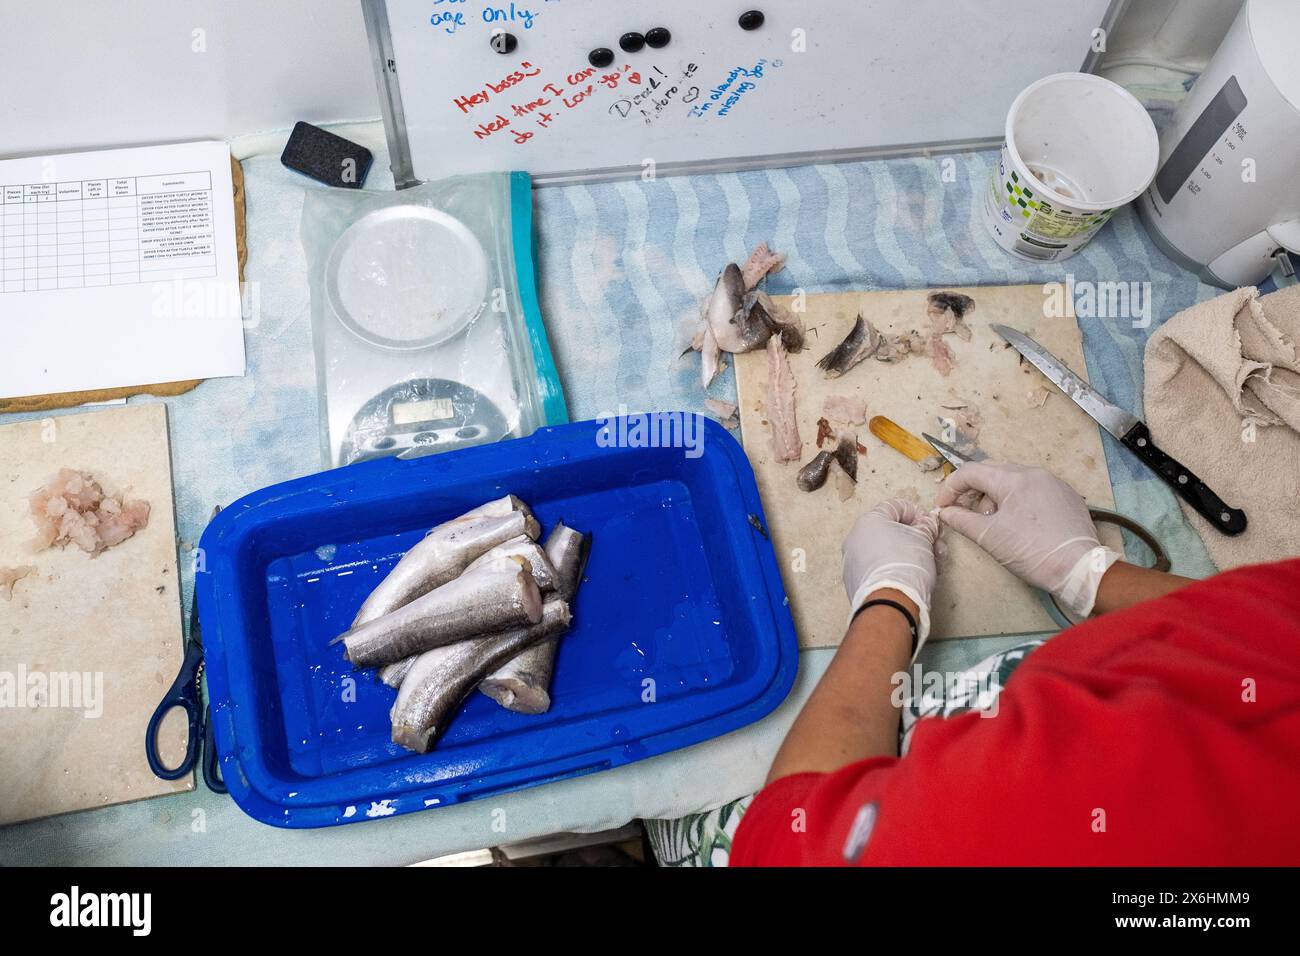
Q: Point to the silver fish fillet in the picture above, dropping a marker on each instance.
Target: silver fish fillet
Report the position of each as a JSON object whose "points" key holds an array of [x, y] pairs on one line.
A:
{"points": [[523, 684], [491, 598], [444, 553], [440, 679], [539, 564]]}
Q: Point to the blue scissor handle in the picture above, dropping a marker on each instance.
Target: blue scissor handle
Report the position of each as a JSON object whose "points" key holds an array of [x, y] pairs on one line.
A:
{"points": [[183, 693]]}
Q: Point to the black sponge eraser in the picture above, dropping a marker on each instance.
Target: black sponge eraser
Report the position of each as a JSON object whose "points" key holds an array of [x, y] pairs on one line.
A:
{"points": [[330, 159]]}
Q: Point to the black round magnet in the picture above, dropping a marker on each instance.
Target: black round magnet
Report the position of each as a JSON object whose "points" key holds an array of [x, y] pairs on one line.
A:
{"points": [[631, 42], [600, 57], [504, 42], [752, 19], [658, 38]]}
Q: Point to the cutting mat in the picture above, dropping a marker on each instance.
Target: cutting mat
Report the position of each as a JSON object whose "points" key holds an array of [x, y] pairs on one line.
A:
{"points": [[110, 623], [975, 596]]}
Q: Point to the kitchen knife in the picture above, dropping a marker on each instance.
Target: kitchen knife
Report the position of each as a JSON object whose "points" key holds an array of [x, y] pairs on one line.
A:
{"points": [[951, 455], [1132, 433]]}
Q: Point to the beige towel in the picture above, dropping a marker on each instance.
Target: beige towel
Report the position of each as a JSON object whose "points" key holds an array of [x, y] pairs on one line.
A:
{"points": [[1223, 397]]}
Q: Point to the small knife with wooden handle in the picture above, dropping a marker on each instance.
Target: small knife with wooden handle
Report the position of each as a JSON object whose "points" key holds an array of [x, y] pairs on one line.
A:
{"points": [[1132, 433]]}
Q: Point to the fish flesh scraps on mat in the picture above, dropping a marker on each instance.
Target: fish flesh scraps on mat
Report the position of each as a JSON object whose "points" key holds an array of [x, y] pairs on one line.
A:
{"points": [[539, 564], [843, 461], [440, 679], [11, 576], [490, 598], [523, 684], [786, 443], [762, 263], [444, 553], [947, 311], [860, 344], [73, 508], [844, 409]]}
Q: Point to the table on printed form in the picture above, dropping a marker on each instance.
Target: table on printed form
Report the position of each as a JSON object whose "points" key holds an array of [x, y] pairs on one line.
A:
{"points": [[72, 235]]}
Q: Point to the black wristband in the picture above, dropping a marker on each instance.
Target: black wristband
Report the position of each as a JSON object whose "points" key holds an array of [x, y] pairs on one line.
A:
{"points": [[911, 621]]}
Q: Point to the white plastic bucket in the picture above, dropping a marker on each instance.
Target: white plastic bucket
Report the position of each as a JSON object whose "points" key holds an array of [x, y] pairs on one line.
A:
{"points": [[1077, 148]]}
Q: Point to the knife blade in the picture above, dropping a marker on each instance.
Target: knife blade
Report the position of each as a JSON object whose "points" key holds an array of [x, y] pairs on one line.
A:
{"points": [[951, 454], [1132, 433]]}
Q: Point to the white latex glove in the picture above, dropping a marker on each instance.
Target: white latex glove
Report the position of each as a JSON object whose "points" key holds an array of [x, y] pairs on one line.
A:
{"points": [[892, 546], [1034, 524]]}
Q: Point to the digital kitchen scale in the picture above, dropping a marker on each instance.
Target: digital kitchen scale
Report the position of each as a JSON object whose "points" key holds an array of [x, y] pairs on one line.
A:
{"points": [[414, 361]]}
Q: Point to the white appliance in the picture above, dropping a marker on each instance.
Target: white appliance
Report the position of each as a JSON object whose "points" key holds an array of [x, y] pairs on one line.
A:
{"points": [[1225, 202]]}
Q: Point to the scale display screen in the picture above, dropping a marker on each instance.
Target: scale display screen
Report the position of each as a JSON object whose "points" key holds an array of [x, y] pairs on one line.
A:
{"points": [[429, 410]]}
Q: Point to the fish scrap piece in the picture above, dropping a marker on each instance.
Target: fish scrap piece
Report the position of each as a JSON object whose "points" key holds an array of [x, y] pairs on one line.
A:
{"points": [[786, 443], [73, 508], [813, 475], [775, 319], [441, 678], [933, 463], [860, 344], [710, 358], [11, 576], [728, 320], [942, 356], [846, 456], [762, 263], [845, 484], [445, 552], [523, 684], [1037, 397], [490, 598], [947, 311], [844, 409]]}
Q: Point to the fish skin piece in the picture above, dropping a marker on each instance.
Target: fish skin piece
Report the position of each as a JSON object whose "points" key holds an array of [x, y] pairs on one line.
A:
{"points": [[441, 555], [710, 358], [726, 315], [787, 445], [846, 455], [813, 475], [539, 565], [491, 598], [441, 678], [776, 320], [859, 345], [523, 684]]}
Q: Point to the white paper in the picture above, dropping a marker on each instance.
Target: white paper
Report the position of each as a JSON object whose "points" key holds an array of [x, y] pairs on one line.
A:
{"points": [[118, 268]]}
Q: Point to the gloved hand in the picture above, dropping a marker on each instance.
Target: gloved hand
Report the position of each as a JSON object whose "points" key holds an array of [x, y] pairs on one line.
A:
{"points": [[892, 546], [1034, 524]]}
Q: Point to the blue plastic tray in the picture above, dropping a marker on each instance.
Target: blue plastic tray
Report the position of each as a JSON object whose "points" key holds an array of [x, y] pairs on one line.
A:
{"points": [[682, 590]]}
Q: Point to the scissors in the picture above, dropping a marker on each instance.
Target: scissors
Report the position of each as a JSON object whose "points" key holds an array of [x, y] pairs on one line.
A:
{"points": [[971, 453], [185, 693]]}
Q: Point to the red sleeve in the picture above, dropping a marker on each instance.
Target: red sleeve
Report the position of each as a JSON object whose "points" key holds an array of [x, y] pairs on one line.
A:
{"points": [[1139, 738]]}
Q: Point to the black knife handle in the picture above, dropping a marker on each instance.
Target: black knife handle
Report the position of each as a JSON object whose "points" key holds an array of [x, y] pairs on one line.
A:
{"points": [[1231, 521]]}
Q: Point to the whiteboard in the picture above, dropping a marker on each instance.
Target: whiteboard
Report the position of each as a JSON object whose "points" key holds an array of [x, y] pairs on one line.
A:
{"points": [[820, 80]]}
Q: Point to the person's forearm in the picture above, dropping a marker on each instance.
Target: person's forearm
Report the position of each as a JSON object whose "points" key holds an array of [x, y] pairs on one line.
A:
{"points": [[850, 715], [1124, 585]]}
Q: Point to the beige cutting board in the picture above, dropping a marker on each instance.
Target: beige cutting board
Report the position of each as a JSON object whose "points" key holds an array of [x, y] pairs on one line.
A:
{"points": [[974, 596], [115, 617]]}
